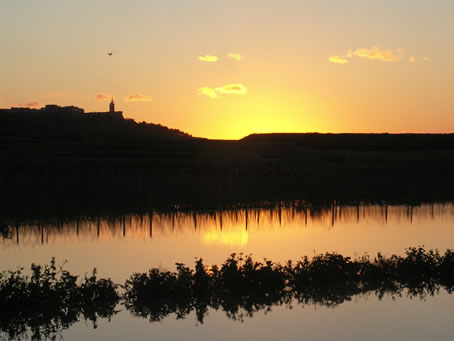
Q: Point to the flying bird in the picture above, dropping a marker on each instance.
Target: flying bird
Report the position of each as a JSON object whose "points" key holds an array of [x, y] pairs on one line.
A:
{"points": [[109, 53]]}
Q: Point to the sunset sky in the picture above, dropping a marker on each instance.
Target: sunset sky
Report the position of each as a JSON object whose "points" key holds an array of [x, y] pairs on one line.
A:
{"points": [[225, 69]]}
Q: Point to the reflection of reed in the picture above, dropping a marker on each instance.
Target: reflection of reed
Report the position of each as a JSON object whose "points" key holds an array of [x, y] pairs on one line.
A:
{"points": [[217, 226]]}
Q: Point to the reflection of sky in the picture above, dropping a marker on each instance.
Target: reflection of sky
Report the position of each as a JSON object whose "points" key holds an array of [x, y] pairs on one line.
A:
{"points": [[118, 247], [119, 250], [363, 318], [229, 238]]}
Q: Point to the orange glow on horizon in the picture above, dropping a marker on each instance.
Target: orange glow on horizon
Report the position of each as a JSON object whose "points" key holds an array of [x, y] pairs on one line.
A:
{"points": [[311, 73]]}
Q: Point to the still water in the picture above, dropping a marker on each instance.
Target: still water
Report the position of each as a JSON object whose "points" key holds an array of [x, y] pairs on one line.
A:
{"points": [[119, 246], [364, 318]]}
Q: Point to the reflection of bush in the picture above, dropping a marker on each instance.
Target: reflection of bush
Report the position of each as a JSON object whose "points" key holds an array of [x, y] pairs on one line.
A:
{"points": [[50, 300], [242, 286]]}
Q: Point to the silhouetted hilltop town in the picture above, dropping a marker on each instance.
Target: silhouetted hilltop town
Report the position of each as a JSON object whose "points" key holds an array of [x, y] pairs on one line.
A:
{"points": [[68, 111], [71, 122]]}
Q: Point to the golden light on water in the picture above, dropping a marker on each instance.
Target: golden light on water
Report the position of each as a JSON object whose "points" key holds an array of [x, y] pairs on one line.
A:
{"points": [[178, 237], [229, 238]]}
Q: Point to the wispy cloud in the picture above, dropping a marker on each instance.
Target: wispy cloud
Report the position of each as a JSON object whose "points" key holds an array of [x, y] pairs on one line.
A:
{"points": [[374, 53], [426, 59], [138, 97], [338, 60], [238, 89], [231, 89], [210, 92], [208, 58], [102, 97], [31, 105], [54, 94], [235, 56], [385, 55]]}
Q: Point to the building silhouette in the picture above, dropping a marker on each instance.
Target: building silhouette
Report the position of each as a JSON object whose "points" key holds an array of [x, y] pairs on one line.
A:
{"points": [[112, 106], [56, 110], [116, 115]]}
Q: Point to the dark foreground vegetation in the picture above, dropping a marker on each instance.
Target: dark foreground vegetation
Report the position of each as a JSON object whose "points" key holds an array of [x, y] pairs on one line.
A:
{"points": [[51, 299]]}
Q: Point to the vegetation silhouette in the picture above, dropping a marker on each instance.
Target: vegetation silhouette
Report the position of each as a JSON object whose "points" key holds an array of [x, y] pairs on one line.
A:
{"points": [[242, 286], [97, 161], [51, 300], [70, 165]]}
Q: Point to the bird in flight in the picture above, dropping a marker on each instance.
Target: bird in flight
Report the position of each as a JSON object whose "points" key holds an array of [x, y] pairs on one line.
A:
{"points": [[109, 53]]}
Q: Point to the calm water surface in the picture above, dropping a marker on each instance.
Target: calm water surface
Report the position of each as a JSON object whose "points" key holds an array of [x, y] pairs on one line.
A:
{"points": [[364, 318], [119, 246]]}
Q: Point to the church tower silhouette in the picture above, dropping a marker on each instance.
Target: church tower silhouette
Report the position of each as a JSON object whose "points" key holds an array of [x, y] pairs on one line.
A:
{"points": [[112, 106]]}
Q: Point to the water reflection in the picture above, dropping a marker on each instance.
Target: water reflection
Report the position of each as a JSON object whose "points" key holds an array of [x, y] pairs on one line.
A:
{"points": [[123, 244], [229, 227], [50, 300], [230, 238]]}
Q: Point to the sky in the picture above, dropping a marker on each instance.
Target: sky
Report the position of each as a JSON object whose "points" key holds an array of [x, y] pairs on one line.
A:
{"points": [[226, 69]]}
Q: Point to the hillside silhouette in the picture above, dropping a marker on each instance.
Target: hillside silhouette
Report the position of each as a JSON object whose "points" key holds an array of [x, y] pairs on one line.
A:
{"points": [[371, 142], [106, 162], [70, 136]]}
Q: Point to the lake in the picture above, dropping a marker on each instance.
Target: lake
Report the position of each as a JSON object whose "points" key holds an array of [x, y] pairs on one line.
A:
{"points": [[121, 245]]}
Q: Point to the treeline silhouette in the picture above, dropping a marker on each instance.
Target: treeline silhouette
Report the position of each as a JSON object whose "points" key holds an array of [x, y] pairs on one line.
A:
{"points": [[51, 300]]}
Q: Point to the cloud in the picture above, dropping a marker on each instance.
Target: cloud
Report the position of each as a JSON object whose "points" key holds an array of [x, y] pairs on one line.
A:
{"points": [[229, 89], [338, 60], [235, 56], [31, 105], [412, 59], [208, 92], [238, 89], [426, 59], [102, 97], [138, 97], [53, 94], [208, 58], [374, 53]]}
